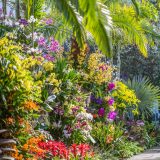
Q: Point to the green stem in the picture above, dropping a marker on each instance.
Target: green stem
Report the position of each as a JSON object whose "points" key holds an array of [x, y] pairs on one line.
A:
{"points": [[118, 61], [33, 34]]}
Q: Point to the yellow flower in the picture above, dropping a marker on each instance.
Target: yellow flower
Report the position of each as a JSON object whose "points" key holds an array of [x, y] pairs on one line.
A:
{"points": [[111, 128], [56, 90], [38, 75], [124, 96], [48, 66], [99, 72], [27, 85]]}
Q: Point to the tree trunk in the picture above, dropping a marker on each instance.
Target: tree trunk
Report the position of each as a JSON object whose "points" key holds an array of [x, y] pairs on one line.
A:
{"points": [[17, 9], [118, 61], [4, 5]]}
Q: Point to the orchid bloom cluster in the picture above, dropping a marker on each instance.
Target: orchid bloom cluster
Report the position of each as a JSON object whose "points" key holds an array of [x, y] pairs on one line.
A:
{"points": [[108, 102], [45, 46], [82, 124], [99, 71]]}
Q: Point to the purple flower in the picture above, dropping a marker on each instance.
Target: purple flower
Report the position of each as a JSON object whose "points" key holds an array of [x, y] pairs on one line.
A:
{"points": [[101, 112], [23, 21], [112, 115], [96, 100], [140, 123], [111, 86], [92, 98], [75, 109], [49, 21], [110, 101], [99, 101], [41, 41], [48, 57], [54, 46]]}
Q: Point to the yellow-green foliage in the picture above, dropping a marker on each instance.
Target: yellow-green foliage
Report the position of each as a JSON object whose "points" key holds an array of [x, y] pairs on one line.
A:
{"points": [[14, 78], [124, 96]]}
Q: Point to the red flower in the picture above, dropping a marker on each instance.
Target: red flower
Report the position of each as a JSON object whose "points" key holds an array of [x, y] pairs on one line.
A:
{"points": [[60, 150]]}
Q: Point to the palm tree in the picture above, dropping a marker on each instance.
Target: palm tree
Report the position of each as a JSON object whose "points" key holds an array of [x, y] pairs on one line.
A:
{"points": [[84, 17], [129, 27]]}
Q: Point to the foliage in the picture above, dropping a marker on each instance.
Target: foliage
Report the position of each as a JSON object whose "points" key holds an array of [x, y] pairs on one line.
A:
{"points": [[33, 7], [147, 93], [139, 65], [60, 105], [129, 29], [99, 27], [127, 149]]}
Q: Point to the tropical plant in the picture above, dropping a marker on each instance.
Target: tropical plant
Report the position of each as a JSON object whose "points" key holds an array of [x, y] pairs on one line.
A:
{"points": [[147, 93], [87, 18], [131, 26]]}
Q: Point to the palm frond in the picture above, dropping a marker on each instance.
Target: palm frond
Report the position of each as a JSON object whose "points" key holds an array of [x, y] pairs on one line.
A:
{"points": [[93, 20], [72, 17], [146, 92], [149, 29], [33, 7], [136, 6], [131, 29]]}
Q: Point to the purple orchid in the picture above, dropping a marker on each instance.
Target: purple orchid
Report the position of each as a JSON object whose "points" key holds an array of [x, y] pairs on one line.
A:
{"points": [[112, 115], [49, 21], [101, 112], [23, 22], [110, 101], [41, 41], [54, 46], [96, 100], [111, 86], [48, 57], [99, 101]]}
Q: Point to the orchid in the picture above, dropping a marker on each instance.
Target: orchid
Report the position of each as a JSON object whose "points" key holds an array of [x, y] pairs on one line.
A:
{"points": [[110, 101], [111, 86], [101, 112], [112, 115]]}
